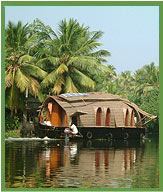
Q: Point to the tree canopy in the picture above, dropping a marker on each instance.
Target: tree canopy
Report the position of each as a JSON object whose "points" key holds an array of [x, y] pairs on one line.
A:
{"points": [[21, 73], [41, 60], [70, 55]]}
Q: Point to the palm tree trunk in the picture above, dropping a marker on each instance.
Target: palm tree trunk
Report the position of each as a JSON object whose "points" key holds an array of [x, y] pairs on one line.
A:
{"points": [[16, 109], [12, 112]]}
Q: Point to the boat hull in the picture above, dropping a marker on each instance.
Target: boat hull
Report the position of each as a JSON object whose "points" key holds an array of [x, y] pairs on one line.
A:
{"points": [[112, 133], [43, 130], [92, 132]]}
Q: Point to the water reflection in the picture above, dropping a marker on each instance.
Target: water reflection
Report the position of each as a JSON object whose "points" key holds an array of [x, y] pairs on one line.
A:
{"points": [[70, 164]]}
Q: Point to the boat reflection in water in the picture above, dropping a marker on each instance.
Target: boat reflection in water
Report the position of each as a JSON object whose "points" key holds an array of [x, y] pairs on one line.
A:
{"points": [[89, 159], [89, 163]]}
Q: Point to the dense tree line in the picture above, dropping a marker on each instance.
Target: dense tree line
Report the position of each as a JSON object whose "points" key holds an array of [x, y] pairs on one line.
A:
{"points": [[40, 61], [141, 87]]}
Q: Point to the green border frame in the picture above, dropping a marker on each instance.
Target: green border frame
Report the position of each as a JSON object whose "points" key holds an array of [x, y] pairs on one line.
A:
{"points": [[75, 3]]}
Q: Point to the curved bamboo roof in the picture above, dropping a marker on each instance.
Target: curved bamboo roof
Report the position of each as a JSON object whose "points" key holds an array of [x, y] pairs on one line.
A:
{"points": [[80, 100]]}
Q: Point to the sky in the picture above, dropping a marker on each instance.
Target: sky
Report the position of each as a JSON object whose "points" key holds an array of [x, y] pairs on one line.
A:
{"points": [[131, 33]]}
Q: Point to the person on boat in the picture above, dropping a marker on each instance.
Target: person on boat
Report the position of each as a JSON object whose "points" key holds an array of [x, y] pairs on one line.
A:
{"points": [[67, 132], [74, 129], [46, 122]]}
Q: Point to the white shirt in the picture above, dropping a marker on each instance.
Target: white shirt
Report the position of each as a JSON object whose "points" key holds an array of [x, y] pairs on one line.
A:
{"points": [[74, 129], [135, 119]]}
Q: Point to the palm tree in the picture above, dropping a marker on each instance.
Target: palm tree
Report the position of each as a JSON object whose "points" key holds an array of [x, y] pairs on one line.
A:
{"points": [[124, 84], [152, 77], [146, 79], [70, 58], [21, 71], [105, 82]]}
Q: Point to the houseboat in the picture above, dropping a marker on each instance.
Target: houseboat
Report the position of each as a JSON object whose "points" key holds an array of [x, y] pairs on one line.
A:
{"points": [[96, 115]]}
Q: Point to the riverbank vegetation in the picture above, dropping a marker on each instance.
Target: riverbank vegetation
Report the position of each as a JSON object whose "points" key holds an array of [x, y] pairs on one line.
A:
{"points": [[41, 61]]}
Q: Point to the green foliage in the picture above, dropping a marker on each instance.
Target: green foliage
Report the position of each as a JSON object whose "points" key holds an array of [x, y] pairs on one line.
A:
{"points": [[41, 60], [135, 99], [11, 122], [105, 80], [150, 104], [146, 79], [21, 73], [70, 57], [12, 133], [141, 88]]}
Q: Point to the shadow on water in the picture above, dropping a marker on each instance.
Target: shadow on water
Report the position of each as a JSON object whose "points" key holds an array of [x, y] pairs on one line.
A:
{"points": [[48, 163]]}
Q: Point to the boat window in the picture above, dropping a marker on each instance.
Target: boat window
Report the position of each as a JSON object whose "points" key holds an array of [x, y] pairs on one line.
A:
{"points": [[132, 119], [98, 117], [107, 120], [126, 118]]}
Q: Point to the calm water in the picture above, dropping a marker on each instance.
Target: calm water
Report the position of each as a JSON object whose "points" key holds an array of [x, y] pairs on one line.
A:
{"points": [[33, 163]]}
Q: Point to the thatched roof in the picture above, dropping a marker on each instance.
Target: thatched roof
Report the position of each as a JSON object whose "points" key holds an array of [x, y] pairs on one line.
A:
{"points": [[86, 105]]}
